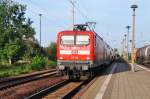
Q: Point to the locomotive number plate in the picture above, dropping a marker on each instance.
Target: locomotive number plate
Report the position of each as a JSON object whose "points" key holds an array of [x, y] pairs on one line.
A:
{"points": [[75, 52]]}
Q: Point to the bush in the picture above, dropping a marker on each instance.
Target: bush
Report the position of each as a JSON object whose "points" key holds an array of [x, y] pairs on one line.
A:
{"points": [[51, 64], [26, 69], [15, 70], [38, 63], [4, 74], [51, 51]]}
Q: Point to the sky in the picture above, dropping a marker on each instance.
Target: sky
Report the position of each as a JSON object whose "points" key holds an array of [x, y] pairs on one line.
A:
{"points": [[112, 17]]}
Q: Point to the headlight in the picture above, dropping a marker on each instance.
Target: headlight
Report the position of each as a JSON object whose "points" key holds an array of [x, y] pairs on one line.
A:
{"points": [[61, 57], [61, 67], [84, 67], [87, 58]]}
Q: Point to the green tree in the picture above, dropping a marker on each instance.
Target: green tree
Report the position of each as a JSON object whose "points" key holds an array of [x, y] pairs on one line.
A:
{"points": [[14, 28], [33, 49], [11, 50], [51, 51]]}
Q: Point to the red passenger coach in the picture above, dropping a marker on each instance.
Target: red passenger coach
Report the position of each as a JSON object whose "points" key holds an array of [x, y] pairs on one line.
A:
{"points": [[80, 52]]}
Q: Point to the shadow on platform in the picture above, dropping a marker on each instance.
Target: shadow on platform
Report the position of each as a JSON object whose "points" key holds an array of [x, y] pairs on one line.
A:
{"points": [[122, 66]]}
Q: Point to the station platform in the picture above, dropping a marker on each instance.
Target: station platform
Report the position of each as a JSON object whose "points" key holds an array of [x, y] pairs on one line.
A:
{"points": [[121, 83]]}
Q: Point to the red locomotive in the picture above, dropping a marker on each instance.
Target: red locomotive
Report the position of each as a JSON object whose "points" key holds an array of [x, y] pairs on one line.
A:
{"points": [[81, 52]]}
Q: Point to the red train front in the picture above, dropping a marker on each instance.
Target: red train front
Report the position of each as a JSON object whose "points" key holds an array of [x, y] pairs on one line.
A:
{"points": [[75, 52]]}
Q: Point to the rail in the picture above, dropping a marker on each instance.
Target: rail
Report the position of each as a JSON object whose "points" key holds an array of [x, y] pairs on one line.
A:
{"points": [[24, 79]]}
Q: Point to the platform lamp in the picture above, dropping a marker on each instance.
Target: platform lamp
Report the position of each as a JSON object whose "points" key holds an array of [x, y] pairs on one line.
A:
{"points": [[40, 15], [128, 31], [133, 35], [125, 45]]}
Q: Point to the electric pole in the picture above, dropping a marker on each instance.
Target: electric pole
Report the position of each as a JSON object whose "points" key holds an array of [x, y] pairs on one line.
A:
{"points": [[40, 15], [73, 12]]}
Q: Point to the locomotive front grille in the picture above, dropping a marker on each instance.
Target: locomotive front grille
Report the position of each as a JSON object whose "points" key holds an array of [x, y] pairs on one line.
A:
{"points": [[74, 64], [70, 63]]}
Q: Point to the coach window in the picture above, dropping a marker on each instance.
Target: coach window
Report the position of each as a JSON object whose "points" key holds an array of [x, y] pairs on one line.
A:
{"points": [[82, 39], [67, 40]]}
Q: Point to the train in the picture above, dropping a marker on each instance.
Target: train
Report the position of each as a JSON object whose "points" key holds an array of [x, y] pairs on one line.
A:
{"points": [[81, 51], [143, 55]]}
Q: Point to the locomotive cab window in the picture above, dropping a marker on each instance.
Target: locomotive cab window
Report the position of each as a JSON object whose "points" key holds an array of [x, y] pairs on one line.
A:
{"points": [[82, 40], [67, 40]]}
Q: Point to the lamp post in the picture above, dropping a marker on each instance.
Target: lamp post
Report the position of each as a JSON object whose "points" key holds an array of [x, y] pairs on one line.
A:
{"points": [[40, 15], [121, 48], [133, 35], [128, 31], [125, 46]]}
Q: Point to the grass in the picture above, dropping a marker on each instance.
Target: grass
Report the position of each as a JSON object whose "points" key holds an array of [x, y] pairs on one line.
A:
{"points": [[51, 64], [14, 70]]}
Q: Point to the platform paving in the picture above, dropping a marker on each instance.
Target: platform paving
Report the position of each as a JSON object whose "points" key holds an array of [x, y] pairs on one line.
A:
{"points": [[124, 84]]}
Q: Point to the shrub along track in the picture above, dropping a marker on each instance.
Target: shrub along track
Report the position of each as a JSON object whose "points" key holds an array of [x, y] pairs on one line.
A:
{"points": [[13, 81]]}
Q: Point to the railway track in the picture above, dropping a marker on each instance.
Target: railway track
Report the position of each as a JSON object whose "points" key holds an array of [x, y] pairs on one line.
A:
{"points": [[7, 83], [66, 89], [62, 90]]}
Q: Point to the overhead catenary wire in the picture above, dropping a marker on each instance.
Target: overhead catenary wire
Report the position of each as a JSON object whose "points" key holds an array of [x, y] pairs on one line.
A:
{"points": [[80, 5], [35, 10], [44, 12], [85, 17]]}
